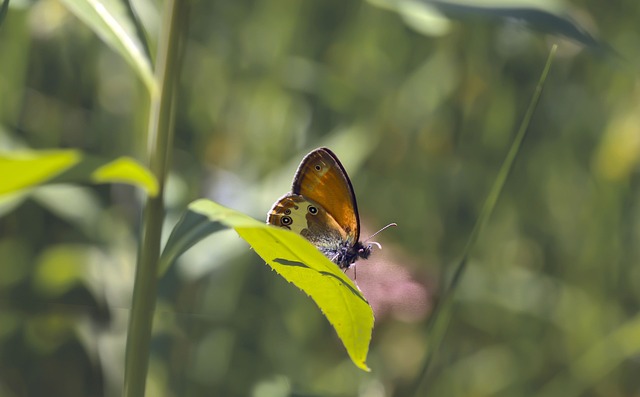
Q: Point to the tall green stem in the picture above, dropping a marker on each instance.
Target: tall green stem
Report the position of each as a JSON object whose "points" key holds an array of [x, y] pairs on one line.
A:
{"points": [[438, 323], [160, 137]]}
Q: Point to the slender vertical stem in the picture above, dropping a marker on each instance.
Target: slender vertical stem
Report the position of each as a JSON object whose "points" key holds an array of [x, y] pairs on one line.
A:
{"points": [[160, 137], [438, 323]]}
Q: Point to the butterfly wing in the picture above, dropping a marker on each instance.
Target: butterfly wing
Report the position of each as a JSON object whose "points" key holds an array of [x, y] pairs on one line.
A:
{"points": [[322, 208], [322, 179], [309, 219]]}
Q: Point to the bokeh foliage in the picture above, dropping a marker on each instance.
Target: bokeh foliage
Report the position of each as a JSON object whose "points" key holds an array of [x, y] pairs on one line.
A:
{"points": [[548, 305]]}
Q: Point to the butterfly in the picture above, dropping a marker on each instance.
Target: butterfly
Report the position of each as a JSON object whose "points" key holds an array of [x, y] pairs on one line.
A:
{"points": [[322, 208]]}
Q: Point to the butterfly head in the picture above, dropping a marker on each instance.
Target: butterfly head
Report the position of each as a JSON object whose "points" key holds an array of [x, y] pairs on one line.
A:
{"points": [[347, 254]]}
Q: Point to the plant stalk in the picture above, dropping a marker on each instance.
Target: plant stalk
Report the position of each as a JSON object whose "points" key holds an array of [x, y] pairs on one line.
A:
{"points": [[438, 323], [160, 138]]}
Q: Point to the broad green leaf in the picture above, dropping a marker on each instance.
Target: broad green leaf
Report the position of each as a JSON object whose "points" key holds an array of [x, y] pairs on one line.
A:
{"points": [[21, 170], [126, 170], [110, 21], [293, 258], [29, 169]]}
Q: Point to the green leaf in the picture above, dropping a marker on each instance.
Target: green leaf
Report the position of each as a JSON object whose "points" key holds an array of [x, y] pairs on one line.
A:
{"points": [[111, 22], [293, 258], [22, 170], [545, 17], [29, 169], [126, 170]]}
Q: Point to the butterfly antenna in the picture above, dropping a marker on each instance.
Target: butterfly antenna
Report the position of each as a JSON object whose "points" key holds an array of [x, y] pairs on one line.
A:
{"points": [[374, 234]]}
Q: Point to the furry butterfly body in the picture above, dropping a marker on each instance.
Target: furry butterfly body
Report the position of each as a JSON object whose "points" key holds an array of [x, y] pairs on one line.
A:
{"points": [[322, 208]]}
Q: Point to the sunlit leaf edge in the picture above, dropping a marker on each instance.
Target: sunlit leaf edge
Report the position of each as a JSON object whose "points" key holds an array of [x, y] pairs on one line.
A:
{"points": [[293, 258], [99, 19], [24, 170], [126, 170]]}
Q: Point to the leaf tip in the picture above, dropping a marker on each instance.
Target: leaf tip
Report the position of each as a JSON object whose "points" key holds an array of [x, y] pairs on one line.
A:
{"points": [[127, 170]]}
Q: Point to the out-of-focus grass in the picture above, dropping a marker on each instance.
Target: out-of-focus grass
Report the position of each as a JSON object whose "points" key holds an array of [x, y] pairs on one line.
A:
{"points": [[547, 308]]}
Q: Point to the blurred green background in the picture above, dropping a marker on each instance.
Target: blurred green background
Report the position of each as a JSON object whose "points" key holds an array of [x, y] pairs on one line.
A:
{"points": [[421, 110]]}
